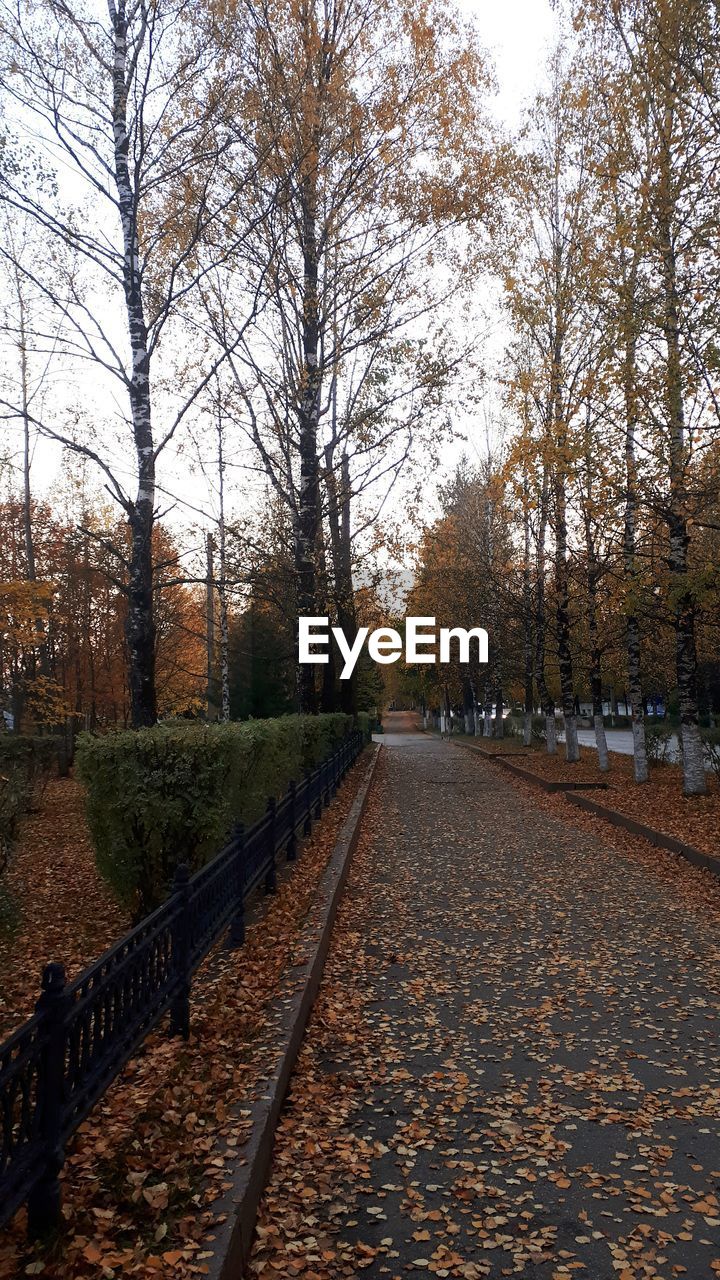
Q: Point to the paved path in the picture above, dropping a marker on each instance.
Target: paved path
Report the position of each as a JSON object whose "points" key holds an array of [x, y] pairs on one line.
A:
{"points": [[513, 1064]]}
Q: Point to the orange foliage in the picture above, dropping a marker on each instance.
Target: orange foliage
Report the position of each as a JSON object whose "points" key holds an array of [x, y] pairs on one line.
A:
{"points": [[63, 637]]}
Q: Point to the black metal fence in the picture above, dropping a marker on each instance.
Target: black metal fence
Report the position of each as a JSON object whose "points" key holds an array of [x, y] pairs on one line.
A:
{"points": [[55, 1068]]}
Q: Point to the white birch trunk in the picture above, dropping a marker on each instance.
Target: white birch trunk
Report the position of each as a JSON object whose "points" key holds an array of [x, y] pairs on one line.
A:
{"points": [[222, 588], [527, 729], [601, 742], [551, 735], [693, 760], [140, 625], [224, 662], [572, 750], [499, 722], [640, 760]]}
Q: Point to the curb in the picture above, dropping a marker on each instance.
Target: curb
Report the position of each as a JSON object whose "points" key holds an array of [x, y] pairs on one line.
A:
{"points": [[571, 791], [492, 755], [503, 758], [232, 1239], [658, 838]]}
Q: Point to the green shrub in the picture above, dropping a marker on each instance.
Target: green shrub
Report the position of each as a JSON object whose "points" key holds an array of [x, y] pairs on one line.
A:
{"points": [[514, 726], [157, 797], [25, 766], [31, 757], [538, 729], [658, 744], [368, 723], [320, 734], [711, 749], [13, 802]]}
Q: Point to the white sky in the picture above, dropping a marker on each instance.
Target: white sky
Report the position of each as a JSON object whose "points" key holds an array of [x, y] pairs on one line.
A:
{"points": [[516, 34]]}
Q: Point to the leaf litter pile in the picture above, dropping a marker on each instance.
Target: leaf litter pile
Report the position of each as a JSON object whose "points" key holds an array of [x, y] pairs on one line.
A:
{"points": [[512, 1067], [143, 1171]]}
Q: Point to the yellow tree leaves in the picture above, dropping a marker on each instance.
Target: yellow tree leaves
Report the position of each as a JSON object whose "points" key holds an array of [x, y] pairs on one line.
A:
{"points": [[62, 638], [24, 608]]}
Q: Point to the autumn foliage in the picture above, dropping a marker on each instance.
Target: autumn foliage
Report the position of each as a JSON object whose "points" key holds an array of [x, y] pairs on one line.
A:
{"points": [[63, 661]]}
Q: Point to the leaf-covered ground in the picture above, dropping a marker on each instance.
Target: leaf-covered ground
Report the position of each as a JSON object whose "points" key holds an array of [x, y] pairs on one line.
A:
{"points": [[659, 803], [143, 1171], [63, 909], [512, 1068]]}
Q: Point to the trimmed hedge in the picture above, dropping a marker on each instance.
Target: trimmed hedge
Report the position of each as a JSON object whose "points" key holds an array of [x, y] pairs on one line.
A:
{"points": [[367, 724], [170, 794]]}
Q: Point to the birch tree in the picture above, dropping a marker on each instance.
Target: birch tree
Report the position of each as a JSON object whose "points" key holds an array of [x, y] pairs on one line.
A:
{"points": [[129, 106], [370, 115], [547, 291], [623, 297], [661, 46]]}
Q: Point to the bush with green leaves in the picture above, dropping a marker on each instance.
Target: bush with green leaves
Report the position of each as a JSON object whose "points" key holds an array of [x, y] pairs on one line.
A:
{"points": [[367, 724], [26, 763], [711, 750], [13, 799], [513, 725], [538, 729], [33, 757], [659, 744], [170, 794]]}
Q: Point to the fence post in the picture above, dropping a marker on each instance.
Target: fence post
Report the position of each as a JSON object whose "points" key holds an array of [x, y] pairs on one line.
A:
{"points": [[307, 825], [271, 876], [45, 1199], [334, 770], [318, 779], [180, 1008], [237, 924], [292, 842]]}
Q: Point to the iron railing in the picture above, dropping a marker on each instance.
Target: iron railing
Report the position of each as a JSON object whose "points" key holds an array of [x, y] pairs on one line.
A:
{"points": [[54, 1069]]}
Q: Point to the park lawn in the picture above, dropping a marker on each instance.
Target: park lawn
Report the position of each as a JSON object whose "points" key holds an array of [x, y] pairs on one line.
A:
{"points": [[659, 803], [60, 909]]}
